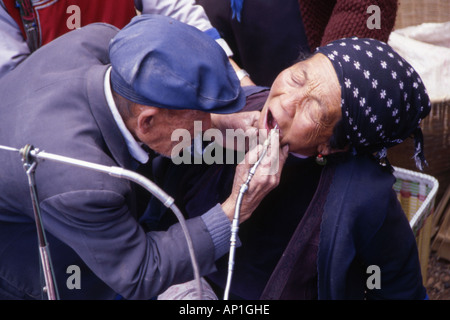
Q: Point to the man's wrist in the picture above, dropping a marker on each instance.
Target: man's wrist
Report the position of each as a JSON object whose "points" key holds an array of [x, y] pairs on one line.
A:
{"points": [[219, 228], [241, 74]]}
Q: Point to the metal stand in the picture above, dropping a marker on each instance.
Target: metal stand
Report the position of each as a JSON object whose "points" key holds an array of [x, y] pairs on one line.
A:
{"points": [[30, 164], [29, 158]]}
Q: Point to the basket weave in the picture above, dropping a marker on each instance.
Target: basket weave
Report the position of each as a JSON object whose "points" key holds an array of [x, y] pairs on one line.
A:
{"points": [[415, 12], [417, 193]]}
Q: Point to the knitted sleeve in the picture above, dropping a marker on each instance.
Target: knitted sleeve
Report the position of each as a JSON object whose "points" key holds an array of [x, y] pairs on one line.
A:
{"points": [[350, 18], [328, 20]]}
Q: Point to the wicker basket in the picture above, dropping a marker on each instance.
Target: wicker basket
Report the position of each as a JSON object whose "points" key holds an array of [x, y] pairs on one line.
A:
{"points": [[417, 193], [415, 12]]}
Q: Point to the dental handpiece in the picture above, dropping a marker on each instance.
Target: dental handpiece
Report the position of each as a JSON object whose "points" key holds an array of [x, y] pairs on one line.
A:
{"points": [[235, 223], [252, 170]]}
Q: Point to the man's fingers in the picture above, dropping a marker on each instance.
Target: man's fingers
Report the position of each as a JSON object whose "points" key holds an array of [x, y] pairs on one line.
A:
{"points": [[252, 156]]}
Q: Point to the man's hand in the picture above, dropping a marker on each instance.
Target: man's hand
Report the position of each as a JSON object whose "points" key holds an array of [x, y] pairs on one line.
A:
{"points": [[266, 178], [242, 124], [240, 120]]}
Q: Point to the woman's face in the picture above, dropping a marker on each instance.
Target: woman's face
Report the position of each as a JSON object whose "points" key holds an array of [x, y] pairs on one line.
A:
{"points": [[305, 103]]}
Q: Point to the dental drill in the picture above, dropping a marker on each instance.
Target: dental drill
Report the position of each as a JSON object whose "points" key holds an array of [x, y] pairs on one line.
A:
{"points": [[30, 155], [235, 223]]}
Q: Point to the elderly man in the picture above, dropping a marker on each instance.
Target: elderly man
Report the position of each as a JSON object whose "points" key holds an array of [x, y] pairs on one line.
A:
{"points": [[99, 95]]}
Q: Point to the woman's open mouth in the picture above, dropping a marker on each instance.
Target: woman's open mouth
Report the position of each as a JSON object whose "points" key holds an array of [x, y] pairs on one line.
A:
{"points": [[270, 121]]}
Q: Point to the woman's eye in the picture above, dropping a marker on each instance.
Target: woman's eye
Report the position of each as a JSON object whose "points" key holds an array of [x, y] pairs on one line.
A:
{"points": [[298, 81], [298, 78]]}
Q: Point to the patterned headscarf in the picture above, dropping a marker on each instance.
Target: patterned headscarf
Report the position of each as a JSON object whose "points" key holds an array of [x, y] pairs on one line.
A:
{"points": [[383, 99]]}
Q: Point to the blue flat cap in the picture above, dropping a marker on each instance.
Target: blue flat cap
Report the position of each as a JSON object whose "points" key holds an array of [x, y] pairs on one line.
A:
{"points": [[161, 62]]}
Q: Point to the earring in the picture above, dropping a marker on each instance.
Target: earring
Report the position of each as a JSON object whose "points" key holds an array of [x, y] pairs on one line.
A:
{"points": [[321, 160]]}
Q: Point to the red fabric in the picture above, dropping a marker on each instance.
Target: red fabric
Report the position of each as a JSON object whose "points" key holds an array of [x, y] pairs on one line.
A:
{"points": [[14, 13], [328, 20], [52, 16]]}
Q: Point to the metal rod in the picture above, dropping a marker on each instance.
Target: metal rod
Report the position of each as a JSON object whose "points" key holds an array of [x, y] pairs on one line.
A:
{"points": [[9, 148], [47, 268], [111, 170]]}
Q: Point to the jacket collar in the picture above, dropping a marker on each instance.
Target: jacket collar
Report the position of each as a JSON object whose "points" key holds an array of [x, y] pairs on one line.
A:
{"points": [[104, 118]]}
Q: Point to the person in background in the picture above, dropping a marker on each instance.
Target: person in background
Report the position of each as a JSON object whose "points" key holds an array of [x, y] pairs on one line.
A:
{"points": [[267, 36], [26, 25]]}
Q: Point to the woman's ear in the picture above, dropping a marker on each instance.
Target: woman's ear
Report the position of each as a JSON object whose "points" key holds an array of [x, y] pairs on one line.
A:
{"points": [[325, 149]]}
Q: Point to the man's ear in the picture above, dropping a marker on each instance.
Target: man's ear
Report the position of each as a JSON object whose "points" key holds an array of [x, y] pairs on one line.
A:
{"points": [[144, 118]]}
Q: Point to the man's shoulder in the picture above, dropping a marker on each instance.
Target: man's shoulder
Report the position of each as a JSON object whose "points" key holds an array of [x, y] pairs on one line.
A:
{"points": [[92, 35], [70, 55], [99, 27]]}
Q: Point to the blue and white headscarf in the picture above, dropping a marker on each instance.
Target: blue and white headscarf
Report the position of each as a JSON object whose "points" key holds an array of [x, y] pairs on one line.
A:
{"points": [[383, 99]]}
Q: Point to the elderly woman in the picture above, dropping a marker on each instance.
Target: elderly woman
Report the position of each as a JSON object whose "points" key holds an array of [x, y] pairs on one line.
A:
{"points": [[333, 228]]}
